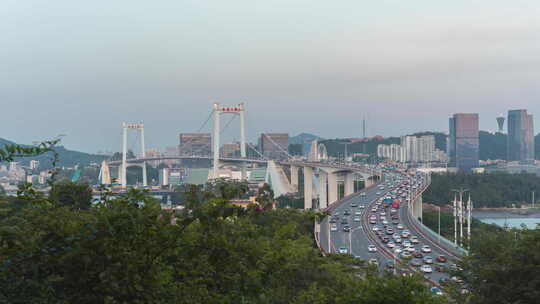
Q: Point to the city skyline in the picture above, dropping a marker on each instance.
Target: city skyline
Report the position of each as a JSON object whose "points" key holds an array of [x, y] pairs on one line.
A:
{"points": [[299, 66]]}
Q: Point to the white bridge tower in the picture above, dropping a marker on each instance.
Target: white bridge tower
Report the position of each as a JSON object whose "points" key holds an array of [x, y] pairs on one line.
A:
{"points": [[218, 111], [123, 170]]}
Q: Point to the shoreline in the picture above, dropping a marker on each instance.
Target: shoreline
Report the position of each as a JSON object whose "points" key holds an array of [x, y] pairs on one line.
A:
{"points": [[502, 213]]}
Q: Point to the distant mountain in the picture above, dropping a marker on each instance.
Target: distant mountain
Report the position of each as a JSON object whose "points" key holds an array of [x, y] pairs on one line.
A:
{"points": [[67, 158], [303, 138]]}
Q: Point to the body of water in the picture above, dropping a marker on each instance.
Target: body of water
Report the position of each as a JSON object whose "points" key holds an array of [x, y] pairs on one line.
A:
{"points": [[512, 222]]}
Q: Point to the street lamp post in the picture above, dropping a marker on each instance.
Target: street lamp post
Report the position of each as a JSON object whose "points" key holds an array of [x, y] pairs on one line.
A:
{"points": [[439, 207]]}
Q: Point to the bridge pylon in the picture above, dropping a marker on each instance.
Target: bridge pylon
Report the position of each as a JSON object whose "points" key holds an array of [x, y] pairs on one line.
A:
{"points": [[218, 111], [123, 170]]}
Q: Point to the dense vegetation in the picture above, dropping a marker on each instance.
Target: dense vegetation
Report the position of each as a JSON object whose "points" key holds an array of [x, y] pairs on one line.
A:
{"points": [[487, 190], [128, 250], [502, 268]]}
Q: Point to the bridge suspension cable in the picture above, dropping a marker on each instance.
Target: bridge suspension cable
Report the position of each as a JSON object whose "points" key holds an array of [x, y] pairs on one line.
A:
{"points": [[279, 147]]}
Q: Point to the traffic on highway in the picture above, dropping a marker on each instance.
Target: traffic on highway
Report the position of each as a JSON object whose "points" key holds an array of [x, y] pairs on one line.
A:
{"points": [[377, 226]]}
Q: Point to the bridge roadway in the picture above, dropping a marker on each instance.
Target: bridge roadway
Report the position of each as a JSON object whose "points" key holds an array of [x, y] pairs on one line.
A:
{"points": [[356, 241], [299, 162], [362, 235]]}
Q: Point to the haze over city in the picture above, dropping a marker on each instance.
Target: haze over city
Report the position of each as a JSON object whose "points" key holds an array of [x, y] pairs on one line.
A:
{"points": [[82, 69]]}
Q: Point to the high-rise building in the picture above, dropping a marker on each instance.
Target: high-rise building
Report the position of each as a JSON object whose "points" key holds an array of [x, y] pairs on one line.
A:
{"points": [[520, 137], [199, 144], [230, 149], [34, 164], [274, 145], [463, 142], [413, 149]]}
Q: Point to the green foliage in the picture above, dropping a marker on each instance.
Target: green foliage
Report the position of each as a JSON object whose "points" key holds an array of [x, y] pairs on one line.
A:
{"points": [[487, 190], [11, 152], [127, 250], [503, 267], [74, 195]]}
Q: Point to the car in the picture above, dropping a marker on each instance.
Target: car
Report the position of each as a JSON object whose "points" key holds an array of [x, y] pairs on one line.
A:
{"points": [[443, 281], [356, 219], [416, 262], [343, 250], [390, 264], [405, 255], [375, 228], [373, 222], [385, 239], [378, 193], [414, 239], [418, 255], [385, 222], [395, 222], [428, 260], [400, 227], [426, 269], [391, 244], [371, 248], [441, 259], [347, 212], [374, 262], [426, 249], [457, 279], [397, 240], [405, 235], [407, 244], [336, 213], [410, 249], [398, 250], [382, 213], [333, 228], [344, 220], [358, 213], [362, 207], [346, 228], [354, 205]]}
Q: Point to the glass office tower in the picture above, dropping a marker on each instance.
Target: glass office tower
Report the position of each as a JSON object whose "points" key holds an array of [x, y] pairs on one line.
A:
{"points": [[520, 137], [463, 142]]}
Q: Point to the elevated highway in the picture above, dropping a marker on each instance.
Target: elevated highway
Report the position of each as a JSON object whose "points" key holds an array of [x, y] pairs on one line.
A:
{"points": [[362, 233]]}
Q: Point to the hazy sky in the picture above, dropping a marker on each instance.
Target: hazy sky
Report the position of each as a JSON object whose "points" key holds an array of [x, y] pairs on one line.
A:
{"points": [[81, 68]]}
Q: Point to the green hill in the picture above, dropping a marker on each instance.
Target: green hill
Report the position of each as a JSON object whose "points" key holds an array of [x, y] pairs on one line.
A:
{"points": [[68, 158]]}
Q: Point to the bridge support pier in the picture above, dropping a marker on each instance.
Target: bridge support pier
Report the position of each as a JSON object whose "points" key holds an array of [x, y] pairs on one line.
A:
{"points": [[332, 188], [417, 208], [349, 183], [308, 188], [368, 182], [294, 177], [323, 196]]}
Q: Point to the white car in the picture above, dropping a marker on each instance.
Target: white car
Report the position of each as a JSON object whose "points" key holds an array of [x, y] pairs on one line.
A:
{"points": [[398, 250], [400, 227], [362, 206], [410, 249], [371, 248], [391, 245], [343, 250], [426, 269], [426, 249], [333, 228], [414, 239], [407, 244], [356, 219], [358, 213]]}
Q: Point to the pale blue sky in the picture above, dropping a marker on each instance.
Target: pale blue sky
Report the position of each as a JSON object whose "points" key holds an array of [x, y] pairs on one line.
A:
{"points": [[82, 67]]}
